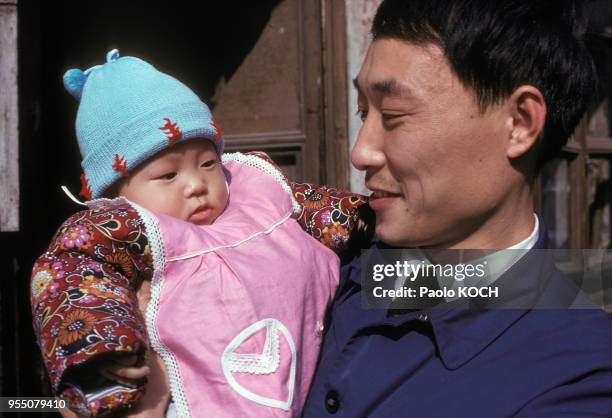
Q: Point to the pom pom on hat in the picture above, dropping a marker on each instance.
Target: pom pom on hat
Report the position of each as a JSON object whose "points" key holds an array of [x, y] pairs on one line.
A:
{"points": [[74, 80]]}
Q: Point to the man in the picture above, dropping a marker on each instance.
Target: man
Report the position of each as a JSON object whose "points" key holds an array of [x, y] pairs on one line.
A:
{"points": [[462, 101]]}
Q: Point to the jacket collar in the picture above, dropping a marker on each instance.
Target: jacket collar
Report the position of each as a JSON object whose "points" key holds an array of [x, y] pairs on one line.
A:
{"points": [[464, 328]]}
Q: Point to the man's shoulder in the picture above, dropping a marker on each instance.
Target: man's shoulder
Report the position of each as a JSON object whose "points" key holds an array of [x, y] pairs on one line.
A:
{"points": [[566, 310], [589, 323], [579, 339]]}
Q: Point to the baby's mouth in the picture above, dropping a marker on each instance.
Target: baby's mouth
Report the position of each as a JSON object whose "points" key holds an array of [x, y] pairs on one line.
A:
{"points": [[201, 215]]}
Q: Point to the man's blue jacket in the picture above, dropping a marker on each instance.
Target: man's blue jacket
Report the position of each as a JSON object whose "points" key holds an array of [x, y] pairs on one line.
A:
{"points": [[457, 362]]}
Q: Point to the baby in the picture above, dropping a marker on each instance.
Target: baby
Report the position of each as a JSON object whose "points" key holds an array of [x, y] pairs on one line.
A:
{"points": [[205, 244]]}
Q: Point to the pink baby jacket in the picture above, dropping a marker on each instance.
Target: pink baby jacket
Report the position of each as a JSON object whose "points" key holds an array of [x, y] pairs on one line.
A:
{"points": [[236, 309]]}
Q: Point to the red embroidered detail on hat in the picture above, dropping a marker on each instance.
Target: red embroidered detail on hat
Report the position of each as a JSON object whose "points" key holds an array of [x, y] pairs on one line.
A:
{"points": [[171, 130], [85, 189], [218, 132], [120, 165]]}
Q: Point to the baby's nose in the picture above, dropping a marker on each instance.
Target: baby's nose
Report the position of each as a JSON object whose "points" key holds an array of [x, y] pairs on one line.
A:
{"points": [[196, 186]]}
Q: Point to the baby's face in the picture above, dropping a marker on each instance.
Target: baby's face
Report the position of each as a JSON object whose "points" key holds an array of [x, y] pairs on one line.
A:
{"points": [[185, 181]]}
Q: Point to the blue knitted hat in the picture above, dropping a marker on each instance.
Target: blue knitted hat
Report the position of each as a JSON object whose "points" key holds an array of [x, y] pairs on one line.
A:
{"points": [[128, 112]]}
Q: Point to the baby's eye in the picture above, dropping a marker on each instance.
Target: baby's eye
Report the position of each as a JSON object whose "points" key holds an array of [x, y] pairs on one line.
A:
{"points": [[208, 163], [167, 176]]}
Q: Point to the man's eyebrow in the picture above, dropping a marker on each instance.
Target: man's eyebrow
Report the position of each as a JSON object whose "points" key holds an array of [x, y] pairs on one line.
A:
{"points": [[390, 88], [393, 88]]}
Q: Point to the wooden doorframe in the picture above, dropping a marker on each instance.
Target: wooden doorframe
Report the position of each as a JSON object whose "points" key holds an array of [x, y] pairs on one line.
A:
{"points": [[312, 88], [320, 140], [335, 87]]}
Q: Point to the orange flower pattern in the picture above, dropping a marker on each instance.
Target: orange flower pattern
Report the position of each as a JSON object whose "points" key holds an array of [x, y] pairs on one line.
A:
{"points": [[76, 325], [328, 214], [315, 199]]}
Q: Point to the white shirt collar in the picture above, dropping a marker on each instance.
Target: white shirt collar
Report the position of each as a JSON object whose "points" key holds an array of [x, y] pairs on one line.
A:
{"points": [[530, 241], [497, 263]]}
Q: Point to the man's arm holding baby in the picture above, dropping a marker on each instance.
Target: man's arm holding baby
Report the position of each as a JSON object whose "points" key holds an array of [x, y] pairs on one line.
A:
{"points": [[85, 312]]}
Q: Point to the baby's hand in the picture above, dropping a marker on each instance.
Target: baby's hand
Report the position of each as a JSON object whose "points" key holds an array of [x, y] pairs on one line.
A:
{"points": [[123, 369], [157, 395]]}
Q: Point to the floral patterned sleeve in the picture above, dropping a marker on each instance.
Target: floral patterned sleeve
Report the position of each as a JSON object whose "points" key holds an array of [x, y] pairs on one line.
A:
{"points": [[339, 220], [83, 297]]}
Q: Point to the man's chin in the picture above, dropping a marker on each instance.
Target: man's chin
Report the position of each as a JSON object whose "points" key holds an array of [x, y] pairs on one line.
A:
{"points": [[391, 233]]}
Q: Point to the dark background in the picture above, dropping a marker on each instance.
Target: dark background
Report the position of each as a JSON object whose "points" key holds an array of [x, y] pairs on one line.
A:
{"points": [[198, 45]]}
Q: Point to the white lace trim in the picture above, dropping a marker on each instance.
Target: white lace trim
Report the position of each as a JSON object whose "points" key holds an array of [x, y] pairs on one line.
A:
{"points": [[103, 201], [208, 250], [265, 363], [266, 167], [159, 265]]}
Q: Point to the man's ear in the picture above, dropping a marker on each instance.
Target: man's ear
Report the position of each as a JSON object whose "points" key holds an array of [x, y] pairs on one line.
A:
{"points": [[528, 112]]}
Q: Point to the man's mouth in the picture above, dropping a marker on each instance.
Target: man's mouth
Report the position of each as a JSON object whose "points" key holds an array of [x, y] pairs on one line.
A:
{"points": [[379, 199], [379, 194]]}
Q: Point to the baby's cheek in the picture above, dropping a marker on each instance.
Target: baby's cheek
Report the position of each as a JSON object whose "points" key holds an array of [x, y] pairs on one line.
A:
{"points": [[170, 204], [221, 201], [224, 199]]}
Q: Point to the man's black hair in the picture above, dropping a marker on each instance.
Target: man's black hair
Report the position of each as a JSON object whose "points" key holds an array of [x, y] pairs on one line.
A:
{"points": [[495, 46]]}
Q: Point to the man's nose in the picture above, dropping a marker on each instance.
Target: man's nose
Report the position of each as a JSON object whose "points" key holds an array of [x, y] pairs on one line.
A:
{"points": [[368, 150]]}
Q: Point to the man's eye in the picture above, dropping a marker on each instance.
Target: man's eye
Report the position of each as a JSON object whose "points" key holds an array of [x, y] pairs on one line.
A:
{"points": [[362, 113], [208, 163], [388, 117], [167, 176]]}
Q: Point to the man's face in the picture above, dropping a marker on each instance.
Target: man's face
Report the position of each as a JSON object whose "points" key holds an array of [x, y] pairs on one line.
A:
{"points": [[185, 181], [436, 165]]}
